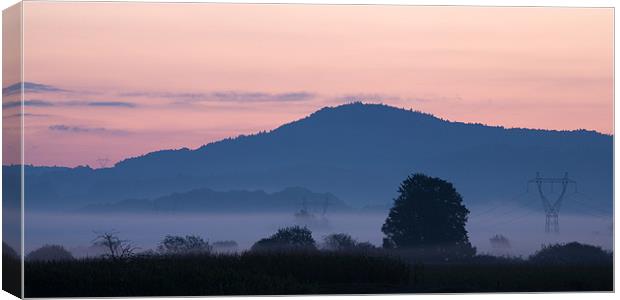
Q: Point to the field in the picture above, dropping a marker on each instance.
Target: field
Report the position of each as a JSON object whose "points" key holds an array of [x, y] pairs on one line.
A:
{"points": [[302, 273]]}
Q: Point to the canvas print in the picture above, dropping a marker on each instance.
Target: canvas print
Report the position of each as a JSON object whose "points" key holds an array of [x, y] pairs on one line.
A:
{"points": [[201, 149]]}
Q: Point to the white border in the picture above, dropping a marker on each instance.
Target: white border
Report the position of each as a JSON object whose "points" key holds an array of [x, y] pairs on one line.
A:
{"points": [[563, 3]]}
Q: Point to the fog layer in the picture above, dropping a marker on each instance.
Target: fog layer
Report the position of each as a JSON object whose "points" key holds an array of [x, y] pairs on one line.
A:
{"points": [[524, 229]]}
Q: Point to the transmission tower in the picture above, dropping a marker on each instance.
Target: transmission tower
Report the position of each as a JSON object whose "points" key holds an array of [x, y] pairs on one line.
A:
{"points": [[552, 209]]}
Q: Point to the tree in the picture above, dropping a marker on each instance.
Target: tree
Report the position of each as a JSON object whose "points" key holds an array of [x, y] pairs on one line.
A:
{"points": [[428, 215], [115, 248], [293, 238], [178, 245], [50, 253]]}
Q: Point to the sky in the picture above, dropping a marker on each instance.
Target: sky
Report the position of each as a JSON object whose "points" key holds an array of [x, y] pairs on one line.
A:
{"points": [[117, 80]]}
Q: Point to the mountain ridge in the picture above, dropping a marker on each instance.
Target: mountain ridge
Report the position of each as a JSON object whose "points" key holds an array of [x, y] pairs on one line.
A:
{"points": [[360, 152], [323, 110]]}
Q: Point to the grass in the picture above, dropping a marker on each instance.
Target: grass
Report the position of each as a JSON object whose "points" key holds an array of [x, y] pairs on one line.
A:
{"points": [[520, 277], [301, 273], [245, 274]]}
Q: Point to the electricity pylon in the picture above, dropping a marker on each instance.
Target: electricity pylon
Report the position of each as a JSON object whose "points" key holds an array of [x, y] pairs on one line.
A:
{"points": [[552, 209]]}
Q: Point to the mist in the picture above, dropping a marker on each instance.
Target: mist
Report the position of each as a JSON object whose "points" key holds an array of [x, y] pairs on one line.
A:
{"points": [[77, 231], [526, 232]]}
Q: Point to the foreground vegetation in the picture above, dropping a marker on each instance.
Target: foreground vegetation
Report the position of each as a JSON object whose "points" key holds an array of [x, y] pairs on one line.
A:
{"points": [[204, 274], [302, 272]]}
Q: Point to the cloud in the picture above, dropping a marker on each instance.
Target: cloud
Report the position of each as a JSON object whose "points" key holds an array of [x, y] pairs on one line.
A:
{"points": [[187, 96], [226, 96], [25, 115], [30, 87], [39, 103], [232, 96], [44, 103], [98, 103], [80, 129]]}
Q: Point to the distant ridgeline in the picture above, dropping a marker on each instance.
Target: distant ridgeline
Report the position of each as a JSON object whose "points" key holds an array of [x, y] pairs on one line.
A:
{"points": [[358, 152], [207, 200]]}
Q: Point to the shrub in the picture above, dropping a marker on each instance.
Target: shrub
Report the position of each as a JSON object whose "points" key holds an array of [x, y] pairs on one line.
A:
{"points": [[178, 245], [572, 253], [339, 242], [344, 242], [293, 238]]}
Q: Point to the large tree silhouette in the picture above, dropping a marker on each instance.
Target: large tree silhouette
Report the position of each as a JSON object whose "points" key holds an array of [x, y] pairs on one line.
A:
{"points": [[428, 215]]}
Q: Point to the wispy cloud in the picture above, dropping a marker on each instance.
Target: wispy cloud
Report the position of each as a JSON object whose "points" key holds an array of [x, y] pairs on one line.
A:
{"points": [[81, 129], [30, 87], [226, 96], [25, 115], [45, 103], [40, 103], [186, 96], [97, 103], [233, 96]]}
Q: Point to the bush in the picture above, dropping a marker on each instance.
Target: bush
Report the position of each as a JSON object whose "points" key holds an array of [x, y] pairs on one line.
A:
{"points": [[339, 242], [178, 245], [293, 238], [571, 254], [50, 253], [344, 242]]}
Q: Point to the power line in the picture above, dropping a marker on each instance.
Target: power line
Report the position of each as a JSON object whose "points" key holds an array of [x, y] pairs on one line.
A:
{"points": [[527, 207], [496, 206], [589, 203], [591, 213], [512, 220]]}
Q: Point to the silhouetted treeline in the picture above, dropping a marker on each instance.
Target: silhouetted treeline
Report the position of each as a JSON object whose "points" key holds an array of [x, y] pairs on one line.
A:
{"points": [[250, 273], [298, 272]]}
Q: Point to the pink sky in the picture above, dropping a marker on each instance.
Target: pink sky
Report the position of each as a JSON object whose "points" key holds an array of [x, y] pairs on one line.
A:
{"points": [[139, 77]]}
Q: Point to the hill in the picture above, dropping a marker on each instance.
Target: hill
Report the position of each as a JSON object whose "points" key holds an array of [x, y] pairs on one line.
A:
{"points": [[359, 152]]}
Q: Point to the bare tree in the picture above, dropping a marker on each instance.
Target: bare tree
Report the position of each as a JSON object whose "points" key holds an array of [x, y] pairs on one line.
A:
{"points": [[116, 249]]}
